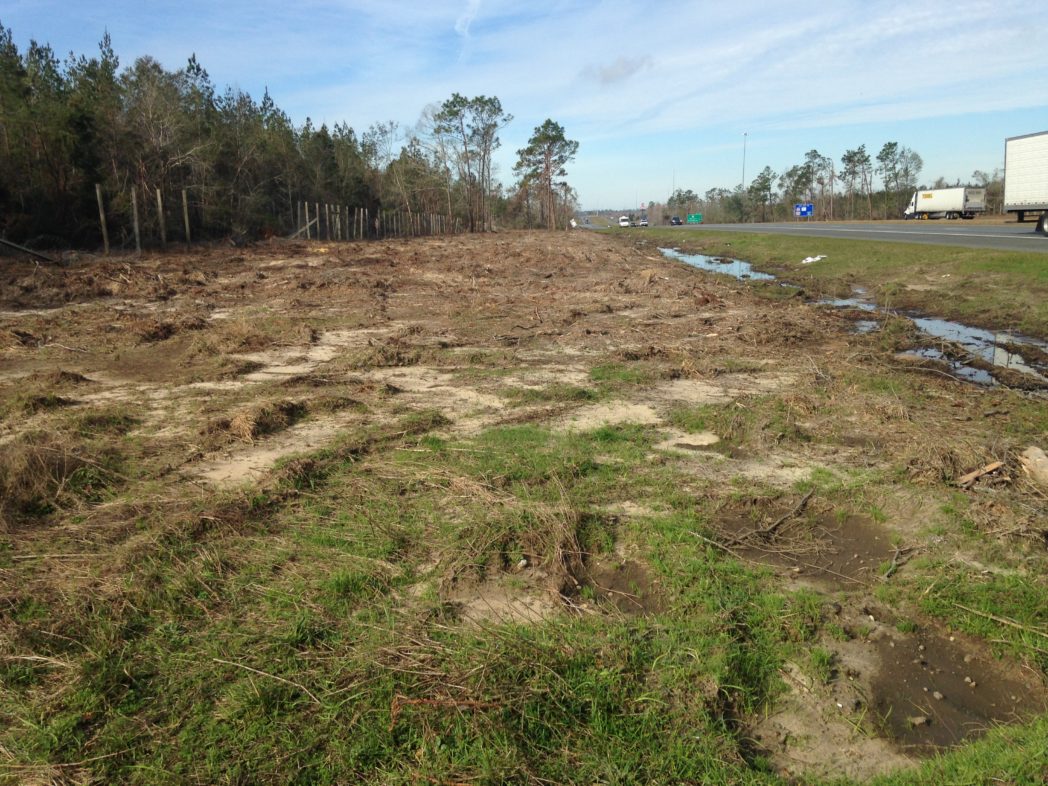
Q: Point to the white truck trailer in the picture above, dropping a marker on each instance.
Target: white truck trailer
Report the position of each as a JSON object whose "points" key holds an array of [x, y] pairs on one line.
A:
{"points": [[946, 203], [1026, 177]]}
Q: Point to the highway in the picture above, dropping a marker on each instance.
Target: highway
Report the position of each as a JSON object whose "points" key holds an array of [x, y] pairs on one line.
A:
{"points": [[1005, 237]]}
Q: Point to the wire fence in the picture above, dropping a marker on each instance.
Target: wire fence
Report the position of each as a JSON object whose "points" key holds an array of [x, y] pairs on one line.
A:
{"points": [[131, 217]]}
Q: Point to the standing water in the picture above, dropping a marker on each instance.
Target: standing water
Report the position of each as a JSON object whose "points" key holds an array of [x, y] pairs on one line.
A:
{"points": [[985, 345]]}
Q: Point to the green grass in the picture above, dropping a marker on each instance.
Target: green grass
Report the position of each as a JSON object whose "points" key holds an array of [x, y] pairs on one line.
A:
{"points": [[1014, 754], [290, 660], [312, 631], [558, 392], [996, 289], [761, 420], [1008, 608], [620, 374], [820, 662]]}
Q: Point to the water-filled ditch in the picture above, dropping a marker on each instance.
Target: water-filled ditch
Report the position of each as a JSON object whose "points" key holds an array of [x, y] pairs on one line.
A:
{"points": [[980, 347]]}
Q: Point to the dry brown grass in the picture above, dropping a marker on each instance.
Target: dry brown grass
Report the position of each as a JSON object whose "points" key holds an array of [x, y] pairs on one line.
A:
{"points": [[41, 471], [251, 335], [258, 420]]}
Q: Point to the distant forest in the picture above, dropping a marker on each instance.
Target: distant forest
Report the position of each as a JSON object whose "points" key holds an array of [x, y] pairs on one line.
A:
{"points": [[73, 128], [844, 190]]}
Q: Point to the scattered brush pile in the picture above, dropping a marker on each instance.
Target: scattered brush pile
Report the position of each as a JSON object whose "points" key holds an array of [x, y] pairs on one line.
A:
{"points": [[252, 335], [513, 535], [44, 471], [256, 421]]}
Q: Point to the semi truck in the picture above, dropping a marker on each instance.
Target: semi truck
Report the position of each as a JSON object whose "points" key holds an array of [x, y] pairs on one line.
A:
{"points": [[1026, 177], [946, 203]]}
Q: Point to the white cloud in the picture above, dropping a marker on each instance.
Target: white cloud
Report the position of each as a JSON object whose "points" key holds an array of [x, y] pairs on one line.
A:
{"points": [[466, 19], [621, 69]]}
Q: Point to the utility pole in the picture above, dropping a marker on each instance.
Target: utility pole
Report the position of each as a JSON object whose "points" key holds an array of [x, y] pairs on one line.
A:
{"points": [[832, 174], [744, 160]]}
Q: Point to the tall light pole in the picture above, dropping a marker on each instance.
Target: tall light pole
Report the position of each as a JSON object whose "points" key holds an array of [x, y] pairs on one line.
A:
{"points": [[744, 160]]}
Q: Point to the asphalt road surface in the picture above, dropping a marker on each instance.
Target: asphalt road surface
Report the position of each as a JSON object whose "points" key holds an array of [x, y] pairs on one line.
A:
{"points": [[1006, 237]]}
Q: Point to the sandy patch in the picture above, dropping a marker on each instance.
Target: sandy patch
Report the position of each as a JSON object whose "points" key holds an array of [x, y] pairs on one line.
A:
{"points": [[493, 601], [609, 415], [631, 510], [471, 409], [293, 361], [784, 470], [722, 389], [810, 733], [249, 463], [539, 378]]}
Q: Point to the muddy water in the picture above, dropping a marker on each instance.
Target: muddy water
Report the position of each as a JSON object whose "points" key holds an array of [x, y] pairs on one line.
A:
{"points": [[626, 585], [924, 690], [986, 345], [731, 267], [934, 691], [994, 348], [823, 551]]}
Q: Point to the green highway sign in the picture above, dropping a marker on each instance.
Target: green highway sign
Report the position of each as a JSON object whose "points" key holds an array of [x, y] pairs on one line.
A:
{"points": [[694, 218]]}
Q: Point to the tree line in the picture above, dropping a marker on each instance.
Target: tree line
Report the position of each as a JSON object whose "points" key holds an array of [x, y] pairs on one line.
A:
{"points": [[860, 186], [67, 126]]}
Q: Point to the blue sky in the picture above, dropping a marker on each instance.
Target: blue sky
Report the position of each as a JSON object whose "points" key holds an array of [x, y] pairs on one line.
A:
{"points": [[657, 93]]}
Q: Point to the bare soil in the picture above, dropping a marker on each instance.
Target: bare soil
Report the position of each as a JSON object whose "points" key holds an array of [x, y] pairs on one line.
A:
{"points": [[204, 370]]}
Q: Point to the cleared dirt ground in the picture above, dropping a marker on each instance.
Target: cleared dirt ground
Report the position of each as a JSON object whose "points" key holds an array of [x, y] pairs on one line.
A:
{"points": [[134, 389]]}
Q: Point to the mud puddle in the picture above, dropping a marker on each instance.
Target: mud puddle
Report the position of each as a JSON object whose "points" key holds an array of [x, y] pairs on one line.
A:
{"points": [[730, 267], [889, 697], [625, 585], [934, 690], [923, 690], [825, 551], [994, 349], [1001, 350]]}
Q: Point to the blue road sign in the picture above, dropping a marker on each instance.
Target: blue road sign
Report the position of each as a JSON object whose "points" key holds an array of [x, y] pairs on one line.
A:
{"points": [[803, 210]]}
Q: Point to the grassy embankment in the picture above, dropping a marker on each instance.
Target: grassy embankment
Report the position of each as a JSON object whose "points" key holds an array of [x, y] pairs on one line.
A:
{"points": [[301, 633], [1001, 290]]}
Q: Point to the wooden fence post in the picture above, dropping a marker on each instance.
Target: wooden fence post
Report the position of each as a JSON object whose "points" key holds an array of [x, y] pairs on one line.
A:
{"points": [[308, 235], [102, 217], [134, 218], [185, 215], [160, 215]]}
